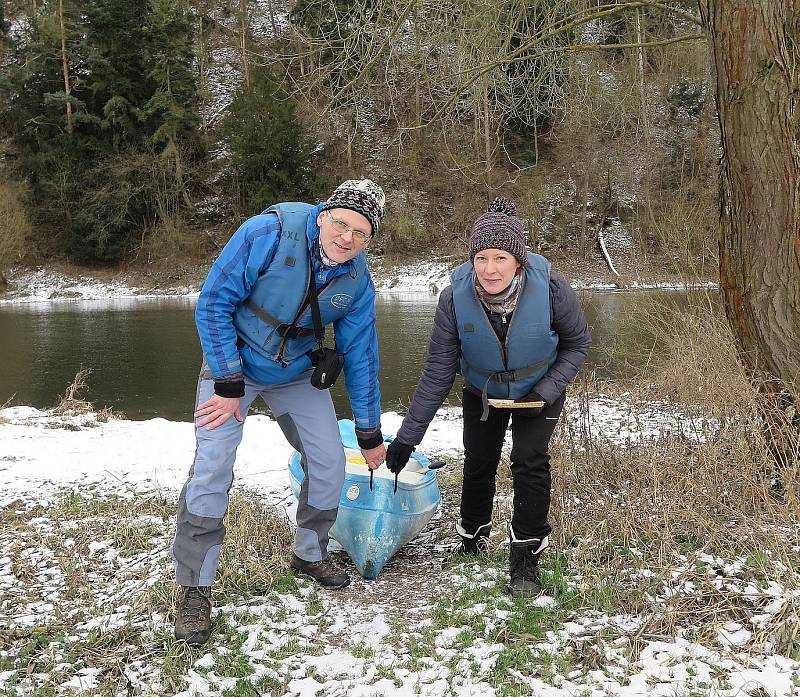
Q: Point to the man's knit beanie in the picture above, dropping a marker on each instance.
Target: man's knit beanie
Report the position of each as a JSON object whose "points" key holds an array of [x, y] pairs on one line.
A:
{"points": [[361, 195], [499, 228]]}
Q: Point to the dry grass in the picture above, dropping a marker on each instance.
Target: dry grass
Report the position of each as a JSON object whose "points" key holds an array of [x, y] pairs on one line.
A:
{"points": [[678, 496], [633, 520], [255, 550], [71, 401]]}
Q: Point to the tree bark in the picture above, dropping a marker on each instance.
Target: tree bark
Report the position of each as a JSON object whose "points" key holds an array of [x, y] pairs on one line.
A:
{"points": [[245, 23], [65, 64], [756, 50]]}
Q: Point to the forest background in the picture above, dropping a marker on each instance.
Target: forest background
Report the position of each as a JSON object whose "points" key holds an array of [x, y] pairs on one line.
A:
{"points": [[141, 133]]}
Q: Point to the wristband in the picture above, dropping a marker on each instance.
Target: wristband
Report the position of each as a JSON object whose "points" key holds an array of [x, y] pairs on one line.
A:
{"points": [[367, 440], [229, 389]]}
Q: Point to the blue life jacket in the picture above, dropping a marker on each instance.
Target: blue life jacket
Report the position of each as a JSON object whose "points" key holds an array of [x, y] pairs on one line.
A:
{"points": [[275, 320], [507, 370]]}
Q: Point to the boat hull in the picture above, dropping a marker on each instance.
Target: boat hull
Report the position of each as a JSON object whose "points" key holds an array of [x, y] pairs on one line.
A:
{"points": [[372, 525]]}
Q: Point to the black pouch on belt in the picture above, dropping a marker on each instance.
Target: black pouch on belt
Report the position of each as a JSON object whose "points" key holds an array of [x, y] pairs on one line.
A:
{"points": [[327, 366]]}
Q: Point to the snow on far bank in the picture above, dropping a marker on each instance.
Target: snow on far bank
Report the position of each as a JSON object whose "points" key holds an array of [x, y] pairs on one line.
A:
{"points": [[42, 284], [427, 277]]}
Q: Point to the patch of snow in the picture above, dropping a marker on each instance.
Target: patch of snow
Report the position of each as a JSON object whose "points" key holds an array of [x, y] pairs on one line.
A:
{"points": [[86, 679]]}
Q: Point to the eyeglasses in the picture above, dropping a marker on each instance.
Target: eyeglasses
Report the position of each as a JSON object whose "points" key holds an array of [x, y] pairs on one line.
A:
{"points": [[343, 227]]}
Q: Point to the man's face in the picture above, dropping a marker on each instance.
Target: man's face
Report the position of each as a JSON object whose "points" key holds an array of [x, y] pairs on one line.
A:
{"points": [[343, 233]]}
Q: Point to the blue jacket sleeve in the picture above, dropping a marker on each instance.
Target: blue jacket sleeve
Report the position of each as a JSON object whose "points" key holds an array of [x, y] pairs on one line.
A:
{"points": [[357, 340], [229, 282]]}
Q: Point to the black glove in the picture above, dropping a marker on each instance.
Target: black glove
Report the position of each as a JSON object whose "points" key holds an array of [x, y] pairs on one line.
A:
{"points": [[397, 455], [533, 396]]}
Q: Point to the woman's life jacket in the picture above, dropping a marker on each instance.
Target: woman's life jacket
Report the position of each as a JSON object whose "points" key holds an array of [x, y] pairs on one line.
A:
{"points": [[510, 369]]}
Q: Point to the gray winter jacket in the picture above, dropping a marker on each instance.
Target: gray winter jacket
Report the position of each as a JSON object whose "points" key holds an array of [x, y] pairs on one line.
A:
{"points": [[444, 354]]}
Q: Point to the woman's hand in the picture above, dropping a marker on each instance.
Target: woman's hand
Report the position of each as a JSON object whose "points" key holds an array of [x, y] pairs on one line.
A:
{"points": [[532, 396], [397, 455]]}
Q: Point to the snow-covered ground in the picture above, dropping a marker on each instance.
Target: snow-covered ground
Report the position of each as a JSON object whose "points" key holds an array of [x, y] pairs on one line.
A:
{"points": [[50, 453], [425, 277], [426, 626]]}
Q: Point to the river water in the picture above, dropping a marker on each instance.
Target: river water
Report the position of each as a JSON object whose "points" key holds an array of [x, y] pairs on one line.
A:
{"points": [[144, 356]]}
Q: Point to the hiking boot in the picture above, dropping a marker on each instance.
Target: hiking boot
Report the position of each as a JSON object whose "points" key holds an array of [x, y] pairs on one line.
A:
{"points": [[524, 566], [475, 544], [193, 618], [324, 572]]}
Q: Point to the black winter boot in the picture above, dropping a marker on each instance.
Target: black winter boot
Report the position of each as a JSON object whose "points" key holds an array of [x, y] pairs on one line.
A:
{"points": [[475, 544], [324, 572], [193, 618], [524, 566]]}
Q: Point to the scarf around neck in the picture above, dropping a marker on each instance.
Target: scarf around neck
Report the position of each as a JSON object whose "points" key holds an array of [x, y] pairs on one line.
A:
{"points": [[501, 303]]}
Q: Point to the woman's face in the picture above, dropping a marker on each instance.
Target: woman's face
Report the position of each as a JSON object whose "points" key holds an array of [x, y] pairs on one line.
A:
{"points": [[495, 269]]}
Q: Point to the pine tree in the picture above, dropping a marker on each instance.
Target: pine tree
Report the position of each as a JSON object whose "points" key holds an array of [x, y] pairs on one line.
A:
{"points": [[170, 110], [270, 156], [97, 169]]}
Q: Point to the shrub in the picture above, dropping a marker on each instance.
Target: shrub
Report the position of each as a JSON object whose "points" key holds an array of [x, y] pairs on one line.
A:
{"points": [[15, 227]]}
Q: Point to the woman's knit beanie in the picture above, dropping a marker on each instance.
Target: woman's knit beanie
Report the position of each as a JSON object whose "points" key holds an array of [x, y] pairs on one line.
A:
{"points": [[499, 228]]}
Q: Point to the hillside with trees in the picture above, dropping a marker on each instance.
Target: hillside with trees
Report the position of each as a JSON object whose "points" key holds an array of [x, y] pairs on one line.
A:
{"points": [[142, 133]]}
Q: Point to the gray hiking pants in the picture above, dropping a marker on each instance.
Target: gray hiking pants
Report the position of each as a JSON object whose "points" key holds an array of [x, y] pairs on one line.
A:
{"points": [[308, 420]]}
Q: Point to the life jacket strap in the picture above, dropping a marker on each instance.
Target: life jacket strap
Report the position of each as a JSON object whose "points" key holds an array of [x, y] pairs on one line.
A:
{"points": [[291, 331], [503, 376]]}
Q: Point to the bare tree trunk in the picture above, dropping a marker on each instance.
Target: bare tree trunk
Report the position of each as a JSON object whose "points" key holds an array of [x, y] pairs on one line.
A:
{"points": [[487, 141], [65, 64], [476, 131], [272, 23], [640, 66], [755, 45], [244, 28], [585, 216]]}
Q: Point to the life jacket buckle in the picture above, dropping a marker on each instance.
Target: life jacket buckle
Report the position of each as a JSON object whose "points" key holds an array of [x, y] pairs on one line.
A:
{"points": [[504, 376], [289, 331]]}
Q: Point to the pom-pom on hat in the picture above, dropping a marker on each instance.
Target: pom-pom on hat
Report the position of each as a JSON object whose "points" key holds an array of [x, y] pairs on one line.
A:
{"points": [[361, 195], [499, 228]]}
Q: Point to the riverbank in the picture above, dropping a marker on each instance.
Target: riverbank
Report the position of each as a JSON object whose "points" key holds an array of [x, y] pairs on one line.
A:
{"points": [[85, 577], [68, 282]]}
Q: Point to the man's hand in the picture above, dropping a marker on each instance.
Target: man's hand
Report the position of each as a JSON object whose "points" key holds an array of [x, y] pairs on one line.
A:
{"points": [[374, 456], [397, 455], [216, 411]]}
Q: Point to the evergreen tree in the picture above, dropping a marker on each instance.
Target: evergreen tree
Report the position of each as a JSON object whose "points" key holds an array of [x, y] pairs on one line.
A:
{"points": [[170, 109], [270, 156], [98, 176]]}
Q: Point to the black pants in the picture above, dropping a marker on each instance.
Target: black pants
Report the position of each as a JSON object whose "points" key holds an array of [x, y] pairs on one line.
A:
{"points": [[530, 465]]}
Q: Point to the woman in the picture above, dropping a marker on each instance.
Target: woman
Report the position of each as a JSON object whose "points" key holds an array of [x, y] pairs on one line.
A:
{"points": [[515, 331]]}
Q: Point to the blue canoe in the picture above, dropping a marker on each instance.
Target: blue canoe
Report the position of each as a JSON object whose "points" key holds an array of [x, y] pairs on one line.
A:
{"points": [[373, 525]]}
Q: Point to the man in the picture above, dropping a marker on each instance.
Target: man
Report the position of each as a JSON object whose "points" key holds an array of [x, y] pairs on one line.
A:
{"points": [[256, 330]]}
